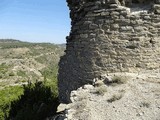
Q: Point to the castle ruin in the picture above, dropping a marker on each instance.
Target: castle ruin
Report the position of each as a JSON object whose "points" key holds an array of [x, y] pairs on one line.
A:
{"points": [[109, 36]]}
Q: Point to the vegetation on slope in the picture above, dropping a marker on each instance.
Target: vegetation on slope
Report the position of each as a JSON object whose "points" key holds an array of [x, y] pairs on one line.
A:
{"points": [[7, 95], [21, 62]]}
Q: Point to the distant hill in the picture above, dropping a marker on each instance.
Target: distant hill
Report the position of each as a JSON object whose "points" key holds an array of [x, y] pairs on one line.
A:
{"points": [[62, 45], [23, 61], [9, 40], [5, 43]]}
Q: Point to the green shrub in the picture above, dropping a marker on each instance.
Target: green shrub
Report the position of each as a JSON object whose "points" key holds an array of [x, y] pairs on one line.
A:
{"points": [[37, 103], [1, 76], [17, 104], [21, 73], [17, 81], [6, 96], [11, 74], [23, 81], [3, 68]]}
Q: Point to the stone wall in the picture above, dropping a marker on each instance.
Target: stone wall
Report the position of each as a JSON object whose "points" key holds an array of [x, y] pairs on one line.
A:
{"points": [[109, 36]]}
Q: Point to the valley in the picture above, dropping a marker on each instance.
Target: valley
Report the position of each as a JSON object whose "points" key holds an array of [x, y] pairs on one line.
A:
{"points": [[22, 63]]}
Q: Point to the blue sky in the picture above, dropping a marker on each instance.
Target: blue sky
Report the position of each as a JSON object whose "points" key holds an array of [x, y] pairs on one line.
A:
{"points": [[34, 20]]}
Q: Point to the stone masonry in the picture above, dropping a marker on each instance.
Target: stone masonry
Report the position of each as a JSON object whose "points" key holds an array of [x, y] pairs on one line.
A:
{"points": [[109, 36]]}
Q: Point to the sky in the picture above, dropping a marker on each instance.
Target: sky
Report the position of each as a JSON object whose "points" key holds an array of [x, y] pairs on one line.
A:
{"points": [[34, 20]]}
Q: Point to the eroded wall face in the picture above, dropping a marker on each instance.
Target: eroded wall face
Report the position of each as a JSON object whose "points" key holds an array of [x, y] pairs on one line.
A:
{"points": [[108, 37]]}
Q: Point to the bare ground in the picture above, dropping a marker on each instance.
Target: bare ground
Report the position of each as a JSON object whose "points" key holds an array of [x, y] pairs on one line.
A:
{"points": [[137, 99]]}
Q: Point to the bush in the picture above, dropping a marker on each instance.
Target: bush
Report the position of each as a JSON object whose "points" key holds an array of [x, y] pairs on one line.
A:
{"points": [[6, 96], [37, 103], [11, 74], [3, 68], [1, 76], [21, 73]]}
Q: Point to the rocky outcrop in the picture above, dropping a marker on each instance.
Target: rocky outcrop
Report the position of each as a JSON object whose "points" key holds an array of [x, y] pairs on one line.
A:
{"points": [[109, 36]]}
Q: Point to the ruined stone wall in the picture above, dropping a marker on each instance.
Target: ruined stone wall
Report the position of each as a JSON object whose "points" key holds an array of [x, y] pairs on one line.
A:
{"points": [[109, 36]]}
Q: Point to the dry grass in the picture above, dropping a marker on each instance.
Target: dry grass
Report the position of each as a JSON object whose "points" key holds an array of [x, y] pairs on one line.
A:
{"points": [[115, 98], [145, 104], [117, 80], [101, 90], [99, 83]]}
